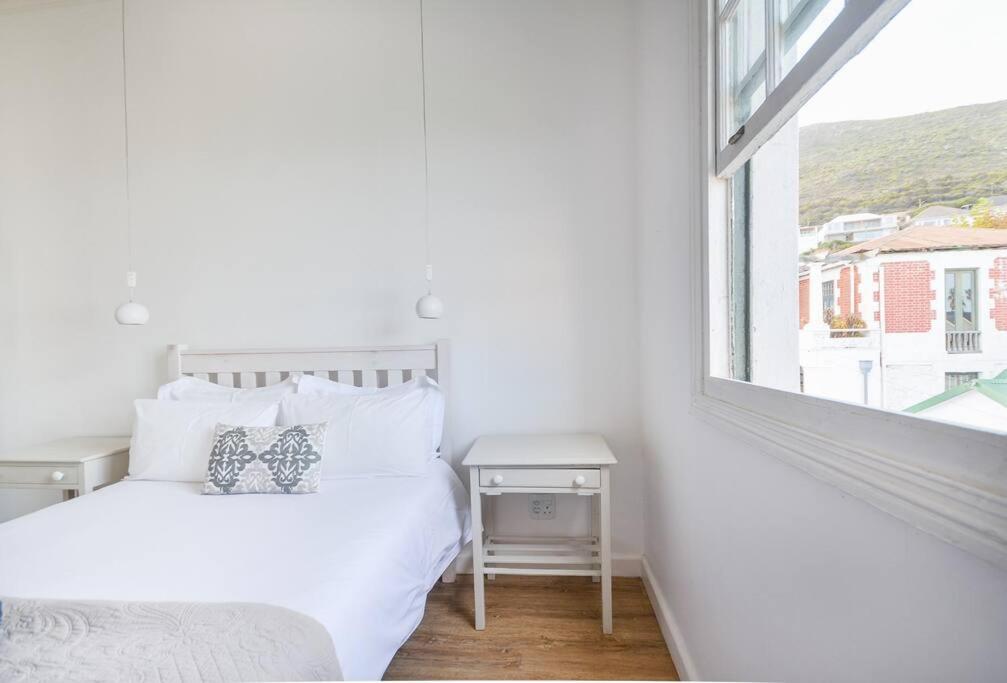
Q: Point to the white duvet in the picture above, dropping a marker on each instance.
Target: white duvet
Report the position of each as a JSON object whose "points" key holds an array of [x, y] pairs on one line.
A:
{"points": [[359, 557]]}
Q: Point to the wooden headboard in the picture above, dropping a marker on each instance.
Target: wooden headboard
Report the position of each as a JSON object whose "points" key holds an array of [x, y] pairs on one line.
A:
{"points": [[379, 366]]}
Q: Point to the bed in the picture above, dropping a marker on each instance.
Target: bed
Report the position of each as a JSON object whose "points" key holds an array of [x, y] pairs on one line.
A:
{"points": [[358, 557]]}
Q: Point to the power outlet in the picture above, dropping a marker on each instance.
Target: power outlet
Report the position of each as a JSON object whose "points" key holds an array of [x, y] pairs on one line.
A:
{"points": [[542, 505]]}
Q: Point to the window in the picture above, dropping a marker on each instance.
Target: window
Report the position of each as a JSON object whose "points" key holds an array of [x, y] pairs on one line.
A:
{"points": [[792, 25], [760, 88], [955, 379], [828, 300], [802, 23], [959, 298], [879, 290], [745, 36], [960, 312], [815, 276]]}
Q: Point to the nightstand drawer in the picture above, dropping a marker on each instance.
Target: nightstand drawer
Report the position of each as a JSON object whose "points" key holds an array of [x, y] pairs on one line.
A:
{"points": [[540, 478], [38, 474]]}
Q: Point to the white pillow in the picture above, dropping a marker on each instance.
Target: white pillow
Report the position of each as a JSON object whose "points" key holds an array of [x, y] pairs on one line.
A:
{"points": [[193, 389], [310, 384], [318, 386], [172, 439], [387, 432]]}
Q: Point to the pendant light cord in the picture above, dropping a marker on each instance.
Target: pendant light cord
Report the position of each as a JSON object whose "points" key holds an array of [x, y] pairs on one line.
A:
{"points": [[125, 120], [426, 163]]}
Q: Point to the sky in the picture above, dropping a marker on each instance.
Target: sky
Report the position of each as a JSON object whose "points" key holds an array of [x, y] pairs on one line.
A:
{"points": [[934, 54]]}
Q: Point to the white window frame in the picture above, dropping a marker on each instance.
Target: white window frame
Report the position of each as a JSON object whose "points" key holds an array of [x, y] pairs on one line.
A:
{"points": [[948, 480]]}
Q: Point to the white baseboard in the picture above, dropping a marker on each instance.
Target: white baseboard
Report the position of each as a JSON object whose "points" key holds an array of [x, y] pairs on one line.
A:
{"points": [[669, 626], [623, 564]]}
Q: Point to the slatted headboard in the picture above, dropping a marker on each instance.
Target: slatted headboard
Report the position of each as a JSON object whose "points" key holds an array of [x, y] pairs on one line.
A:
{"points": [[380, 366]]}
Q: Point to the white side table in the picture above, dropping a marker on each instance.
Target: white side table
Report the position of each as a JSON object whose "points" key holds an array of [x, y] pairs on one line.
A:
{"points": [[560, 463], [75, 466]]}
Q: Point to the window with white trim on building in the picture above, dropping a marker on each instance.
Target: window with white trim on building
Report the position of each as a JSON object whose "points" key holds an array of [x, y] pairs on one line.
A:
{"points": [[820, 285], [828, 299], [880, 288], [960, 298], [957, 379]]}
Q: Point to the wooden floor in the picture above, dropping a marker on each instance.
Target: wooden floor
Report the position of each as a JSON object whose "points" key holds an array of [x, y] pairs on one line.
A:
{"points": [[536, 628]]}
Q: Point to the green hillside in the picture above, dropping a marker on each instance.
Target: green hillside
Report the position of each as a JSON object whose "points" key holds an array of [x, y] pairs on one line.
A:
{"points": [[950, 157]]}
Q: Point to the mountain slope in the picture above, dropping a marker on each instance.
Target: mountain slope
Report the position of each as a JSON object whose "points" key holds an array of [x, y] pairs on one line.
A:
{"points": [[951, 156]]}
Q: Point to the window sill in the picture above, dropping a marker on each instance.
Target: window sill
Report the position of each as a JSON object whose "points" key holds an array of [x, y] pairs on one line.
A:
{"points": [[960, 498]]}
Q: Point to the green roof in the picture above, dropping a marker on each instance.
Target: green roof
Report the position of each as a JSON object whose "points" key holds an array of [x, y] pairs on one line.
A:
{"points": [[994, 389]]}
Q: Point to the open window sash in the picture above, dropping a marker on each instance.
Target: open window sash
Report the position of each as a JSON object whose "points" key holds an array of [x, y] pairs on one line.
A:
{"points": [[747, 81]]}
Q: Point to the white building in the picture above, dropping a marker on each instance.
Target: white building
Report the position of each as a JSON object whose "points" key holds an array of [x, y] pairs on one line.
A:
{"points": [[932, 303], [938, 215], [809, 238], [859, 227]]}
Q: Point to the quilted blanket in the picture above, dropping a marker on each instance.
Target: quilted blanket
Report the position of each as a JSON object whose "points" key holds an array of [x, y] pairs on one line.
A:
{"points": [[48, 640]]}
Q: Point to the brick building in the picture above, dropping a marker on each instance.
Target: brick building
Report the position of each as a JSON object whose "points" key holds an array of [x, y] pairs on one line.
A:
{"points": [[926, 306]]}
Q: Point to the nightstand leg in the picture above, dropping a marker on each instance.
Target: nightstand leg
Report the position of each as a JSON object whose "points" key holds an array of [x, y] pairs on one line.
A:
{"points": [[606, 553], [491, 508], [477, 549], [595, 529]]}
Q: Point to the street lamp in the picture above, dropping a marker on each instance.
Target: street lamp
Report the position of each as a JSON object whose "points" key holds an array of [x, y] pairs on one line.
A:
{"points": [[865, 369]]}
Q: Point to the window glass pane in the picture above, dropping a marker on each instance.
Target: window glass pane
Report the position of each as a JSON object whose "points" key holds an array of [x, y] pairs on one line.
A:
{"points": [[863, 226], [966, 282], [745, 60], [802, 22]]}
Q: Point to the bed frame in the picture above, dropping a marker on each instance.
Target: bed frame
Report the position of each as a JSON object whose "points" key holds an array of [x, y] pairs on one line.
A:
{"points": [[378, 366]]}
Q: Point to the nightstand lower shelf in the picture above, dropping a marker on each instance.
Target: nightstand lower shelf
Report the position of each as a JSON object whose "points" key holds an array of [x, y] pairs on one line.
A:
{"points": [[566, 557]]}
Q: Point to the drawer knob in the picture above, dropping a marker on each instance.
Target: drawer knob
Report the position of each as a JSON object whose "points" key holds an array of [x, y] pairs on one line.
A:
{"points": [[497, 479], [57, 476], [579, 480]]}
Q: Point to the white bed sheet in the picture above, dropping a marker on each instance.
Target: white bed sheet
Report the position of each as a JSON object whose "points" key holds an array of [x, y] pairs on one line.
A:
{"points": [[359, 557]]}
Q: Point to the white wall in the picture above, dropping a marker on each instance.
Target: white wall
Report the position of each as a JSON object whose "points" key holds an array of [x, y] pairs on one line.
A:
{"points": [[277, 178], [833, 371], [278, 195], [769, 573]]}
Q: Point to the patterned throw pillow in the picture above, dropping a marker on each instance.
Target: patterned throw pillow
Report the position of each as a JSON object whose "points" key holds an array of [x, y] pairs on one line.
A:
{"points": [[266, 459]]}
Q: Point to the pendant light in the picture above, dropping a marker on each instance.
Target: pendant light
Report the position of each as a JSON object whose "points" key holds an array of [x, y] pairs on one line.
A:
{"points": [[131, 312], [428, 305]]}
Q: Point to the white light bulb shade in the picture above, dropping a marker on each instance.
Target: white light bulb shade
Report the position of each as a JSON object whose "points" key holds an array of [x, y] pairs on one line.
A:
{"points": [[132, 313], [429, 306]]}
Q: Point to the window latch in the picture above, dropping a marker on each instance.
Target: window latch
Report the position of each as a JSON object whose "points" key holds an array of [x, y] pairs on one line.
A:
{"points": [[738, 134]]}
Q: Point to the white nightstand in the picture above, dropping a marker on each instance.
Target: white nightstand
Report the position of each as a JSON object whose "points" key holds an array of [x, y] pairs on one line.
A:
{"points": [[75, 466], [561, 463]]}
